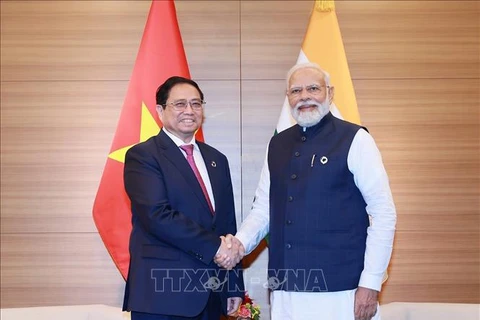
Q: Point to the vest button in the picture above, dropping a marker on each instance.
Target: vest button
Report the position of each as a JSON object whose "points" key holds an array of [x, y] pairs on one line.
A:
{"points": [[304, 138], [288, 246], [289, 221], [297, 154], [290, 199], [294, 176]]}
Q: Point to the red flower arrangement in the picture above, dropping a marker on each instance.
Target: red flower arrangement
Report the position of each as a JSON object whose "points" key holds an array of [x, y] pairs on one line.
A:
{"points": [[248, 310]]}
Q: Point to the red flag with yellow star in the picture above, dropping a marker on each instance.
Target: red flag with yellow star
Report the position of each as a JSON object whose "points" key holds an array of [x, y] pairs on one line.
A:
{"points": [[160, 56]]}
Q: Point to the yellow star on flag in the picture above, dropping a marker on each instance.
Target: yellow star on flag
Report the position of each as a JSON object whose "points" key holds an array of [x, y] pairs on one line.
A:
{"points": [[148, 128]]}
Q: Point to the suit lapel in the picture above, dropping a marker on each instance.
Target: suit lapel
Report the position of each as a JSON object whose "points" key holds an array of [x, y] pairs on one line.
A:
{"points": [[176, 157]]}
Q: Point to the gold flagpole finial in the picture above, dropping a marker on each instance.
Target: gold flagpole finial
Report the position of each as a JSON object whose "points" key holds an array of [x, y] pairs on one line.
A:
{"points": [[324, 5]]}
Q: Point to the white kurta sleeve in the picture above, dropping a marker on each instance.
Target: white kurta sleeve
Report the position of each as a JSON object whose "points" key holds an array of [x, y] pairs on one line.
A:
{"points": [[256, 225], [365, 163]]}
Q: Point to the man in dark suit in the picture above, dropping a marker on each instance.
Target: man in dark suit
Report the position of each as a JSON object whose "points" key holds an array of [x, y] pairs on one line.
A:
{"points": [[182, 204]]}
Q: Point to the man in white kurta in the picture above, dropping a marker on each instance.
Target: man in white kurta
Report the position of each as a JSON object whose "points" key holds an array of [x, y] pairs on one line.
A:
{"points": [[310, 95]]}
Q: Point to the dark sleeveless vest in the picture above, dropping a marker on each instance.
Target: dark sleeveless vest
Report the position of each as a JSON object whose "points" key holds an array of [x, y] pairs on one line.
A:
{"points": [[318, 221]]}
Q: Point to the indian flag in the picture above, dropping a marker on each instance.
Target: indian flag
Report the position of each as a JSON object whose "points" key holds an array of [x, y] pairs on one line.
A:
{"points": [[323, 45]]}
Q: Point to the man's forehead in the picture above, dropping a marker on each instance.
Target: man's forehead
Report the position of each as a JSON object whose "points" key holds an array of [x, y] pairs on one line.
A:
{"points": [[306, 76], [184, 89]]}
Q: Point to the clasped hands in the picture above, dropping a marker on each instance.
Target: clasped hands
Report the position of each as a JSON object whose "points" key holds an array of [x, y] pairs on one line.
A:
{"points": [[230, 253]]}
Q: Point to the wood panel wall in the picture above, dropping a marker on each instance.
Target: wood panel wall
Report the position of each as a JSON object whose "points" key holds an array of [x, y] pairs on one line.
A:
{"points": [[65, 67]]}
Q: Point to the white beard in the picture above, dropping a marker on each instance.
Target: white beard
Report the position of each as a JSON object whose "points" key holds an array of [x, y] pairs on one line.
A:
{"points": [[310, 118]]}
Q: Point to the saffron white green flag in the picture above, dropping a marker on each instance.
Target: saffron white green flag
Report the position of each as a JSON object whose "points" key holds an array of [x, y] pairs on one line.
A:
{"points": [[323, 45]]}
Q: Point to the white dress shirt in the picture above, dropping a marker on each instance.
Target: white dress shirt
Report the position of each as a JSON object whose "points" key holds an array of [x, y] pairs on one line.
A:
{"points": [[199, 162]]}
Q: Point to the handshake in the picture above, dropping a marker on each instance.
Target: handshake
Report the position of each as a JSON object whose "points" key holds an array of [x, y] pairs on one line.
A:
{"points": [[230, 253]]}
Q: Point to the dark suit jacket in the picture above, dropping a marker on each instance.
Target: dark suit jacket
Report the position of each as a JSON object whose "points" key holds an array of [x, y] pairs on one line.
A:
{"points": [[174, 235]]}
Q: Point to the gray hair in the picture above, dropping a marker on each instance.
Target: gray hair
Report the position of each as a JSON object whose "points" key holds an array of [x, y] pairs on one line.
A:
{"points": [[308, 65]]}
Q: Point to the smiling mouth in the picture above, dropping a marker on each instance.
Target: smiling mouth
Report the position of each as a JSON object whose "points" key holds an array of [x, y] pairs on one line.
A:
{"points": [[307, 106]]}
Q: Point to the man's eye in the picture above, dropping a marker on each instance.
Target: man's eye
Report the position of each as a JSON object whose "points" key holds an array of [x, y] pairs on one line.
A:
{"points": [[180, 104], [196, 105]]}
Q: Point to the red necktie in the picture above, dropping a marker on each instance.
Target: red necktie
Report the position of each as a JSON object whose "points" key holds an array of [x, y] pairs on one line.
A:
{"points": [[188, 148]]}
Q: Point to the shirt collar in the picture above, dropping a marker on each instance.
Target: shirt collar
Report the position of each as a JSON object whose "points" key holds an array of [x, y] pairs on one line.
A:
{"points": [[179, 142], [313, 130]]}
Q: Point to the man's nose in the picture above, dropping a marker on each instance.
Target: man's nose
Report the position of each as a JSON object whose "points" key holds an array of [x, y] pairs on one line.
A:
{"points": [[304, 95], [188, 108]]}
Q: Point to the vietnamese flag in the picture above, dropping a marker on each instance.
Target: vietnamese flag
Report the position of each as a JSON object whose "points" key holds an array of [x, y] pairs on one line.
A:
{"points": [[160, 56]]}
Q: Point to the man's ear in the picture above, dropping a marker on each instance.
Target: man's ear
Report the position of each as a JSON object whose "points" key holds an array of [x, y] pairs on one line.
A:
{"points": [[331, 93], [160, 111]]}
